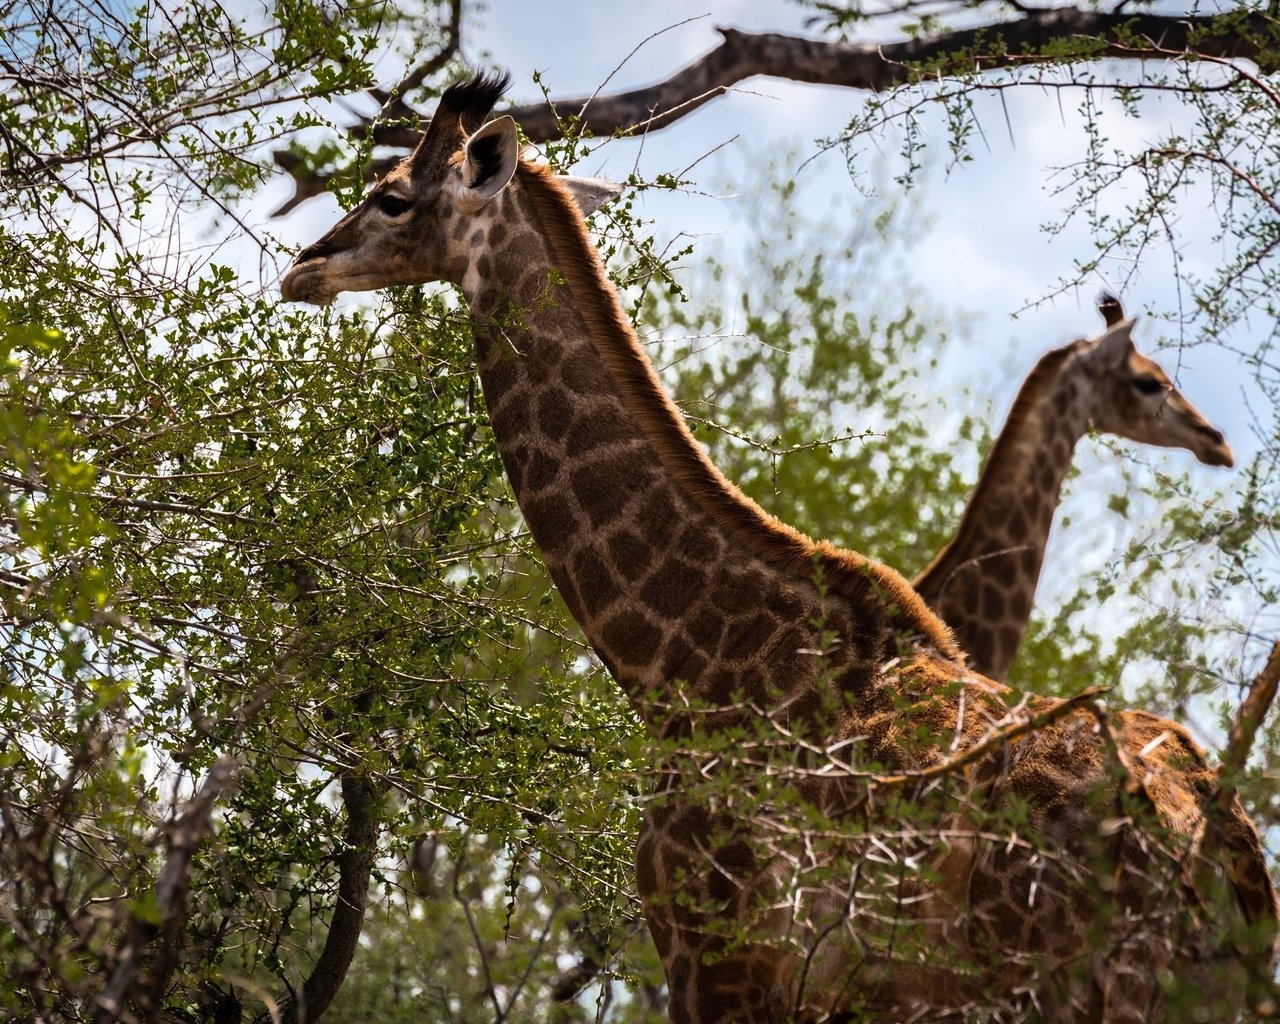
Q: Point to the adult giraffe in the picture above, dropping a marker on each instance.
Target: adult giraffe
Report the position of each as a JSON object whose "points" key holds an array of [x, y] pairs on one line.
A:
{"points": [[778, 878], [983, 582]]}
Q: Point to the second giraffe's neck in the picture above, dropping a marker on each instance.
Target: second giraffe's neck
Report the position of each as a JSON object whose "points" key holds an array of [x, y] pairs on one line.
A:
{"points": [[983, 582], [672, 573]]}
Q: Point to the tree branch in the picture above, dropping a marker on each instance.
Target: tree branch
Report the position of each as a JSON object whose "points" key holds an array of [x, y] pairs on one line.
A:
{"points": [[873, 66], [1245, 727], [185, 835], [360, 799]]}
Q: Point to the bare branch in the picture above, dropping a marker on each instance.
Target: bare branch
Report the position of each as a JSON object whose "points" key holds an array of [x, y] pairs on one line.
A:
{"points": [[873, 66], [1245, 727], [185, 835], [360, 799]]}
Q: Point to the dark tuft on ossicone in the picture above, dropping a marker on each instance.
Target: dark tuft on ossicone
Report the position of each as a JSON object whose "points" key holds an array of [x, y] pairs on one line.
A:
{"points": [[1110, 308], [471, 101]]}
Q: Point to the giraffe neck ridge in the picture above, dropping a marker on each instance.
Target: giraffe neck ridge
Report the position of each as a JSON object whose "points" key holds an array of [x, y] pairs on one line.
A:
{"points": [[847, 573]]}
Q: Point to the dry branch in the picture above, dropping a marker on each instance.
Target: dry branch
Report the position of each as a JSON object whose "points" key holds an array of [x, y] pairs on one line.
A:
{"points": [[1245, 727], [185, 835], [872, 66], [360, 799]]}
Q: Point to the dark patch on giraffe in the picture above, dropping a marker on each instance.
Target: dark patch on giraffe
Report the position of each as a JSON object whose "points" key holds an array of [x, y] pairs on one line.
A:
{"points": [[597, 428], [1048, 478], [658, 518], [992, 602], [1010, 638], [497, 234], [538, 371], [660, 930], [632, 637], [541, 471], [747, 637], [553, 522], [699, 544], [1017, 522], [706, 626], [735, 592], [555, 415], [722, 687], [783, 653], [733, 861], [646, 871], [499, 374], [460, 229], [673, 586], [983, 639], [720, 990], [682, 661], [477, 238], [597, 585], [551, 352], [485, 266], [631, 555], [1029, 562], [585, 377], [568, 592], [785, 602], [680, 966], [509, 420], [604, 489], [515, 461]]}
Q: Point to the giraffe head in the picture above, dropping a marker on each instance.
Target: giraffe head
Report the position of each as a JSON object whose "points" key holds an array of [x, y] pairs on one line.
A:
{"points": [[1131, 396], [428, 218]]}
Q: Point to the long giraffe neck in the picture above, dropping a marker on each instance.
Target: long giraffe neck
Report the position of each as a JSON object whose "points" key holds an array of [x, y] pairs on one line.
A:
{"points": [[983, 582], [672, 573]]}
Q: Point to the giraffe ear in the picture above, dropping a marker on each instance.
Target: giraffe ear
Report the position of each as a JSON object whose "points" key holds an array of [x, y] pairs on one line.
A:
{"points": [[590, 193], [1116, 343], [489, 160]]}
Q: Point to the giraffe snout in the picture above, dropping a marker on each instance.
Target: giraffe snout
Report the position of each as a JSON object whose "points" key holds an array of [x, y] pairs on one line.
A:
{"points": [[1214, 451]]}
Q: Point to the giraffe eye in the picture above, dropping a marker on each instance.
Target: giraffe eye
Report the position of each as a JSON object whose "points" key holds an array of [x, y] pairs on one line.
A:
{"points": [[1147, 385], [393, 206]]}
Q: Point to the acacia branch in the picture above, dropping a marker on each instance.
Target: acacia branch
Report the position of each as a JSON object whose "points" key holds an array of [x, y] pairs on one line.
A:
{"points": [[1245, 727], [185, 835], [873, 66], [360, 799]]}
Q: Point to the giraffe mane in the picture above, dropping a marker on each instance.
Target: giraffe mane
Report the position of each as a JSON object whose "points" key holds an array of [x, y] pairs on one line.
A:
{"points": [[1038, 381], [852, 575]]}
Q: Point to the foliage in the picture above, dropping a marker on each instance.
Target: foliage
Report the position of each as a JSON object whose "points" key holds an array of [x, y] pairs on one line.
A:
{"points": [[234, 533]]}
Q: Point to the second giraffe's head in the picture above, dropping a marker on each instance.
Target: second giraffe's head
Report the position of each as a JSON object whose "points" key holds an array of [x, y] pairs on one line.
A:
{"points": [[429, 218], [1132, 396]]}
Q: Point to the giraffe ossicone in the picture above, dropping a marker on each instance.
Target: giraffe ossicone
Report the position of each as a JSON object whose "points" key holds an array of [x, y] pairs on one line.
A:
{"points": [[983, 581], [876, 834]]}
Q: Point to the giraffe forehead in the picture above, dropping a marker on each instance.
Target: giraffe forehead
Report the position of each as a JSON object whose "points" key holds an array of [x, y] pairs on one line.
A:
{"points": [[398, 177], [1140, 364]]}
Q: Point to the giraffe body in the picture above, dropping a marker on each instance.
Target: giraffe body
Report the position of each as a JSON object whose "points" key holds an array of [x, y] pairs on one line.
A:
{"points": [[779, 672], [983, 582]]}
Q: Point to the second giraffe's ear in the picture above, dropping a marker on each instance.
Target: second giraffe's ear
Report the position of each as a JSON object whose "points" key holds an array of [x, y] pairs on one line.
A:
{"points": [[590, 193], [1116, 343], [489, 160]]}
